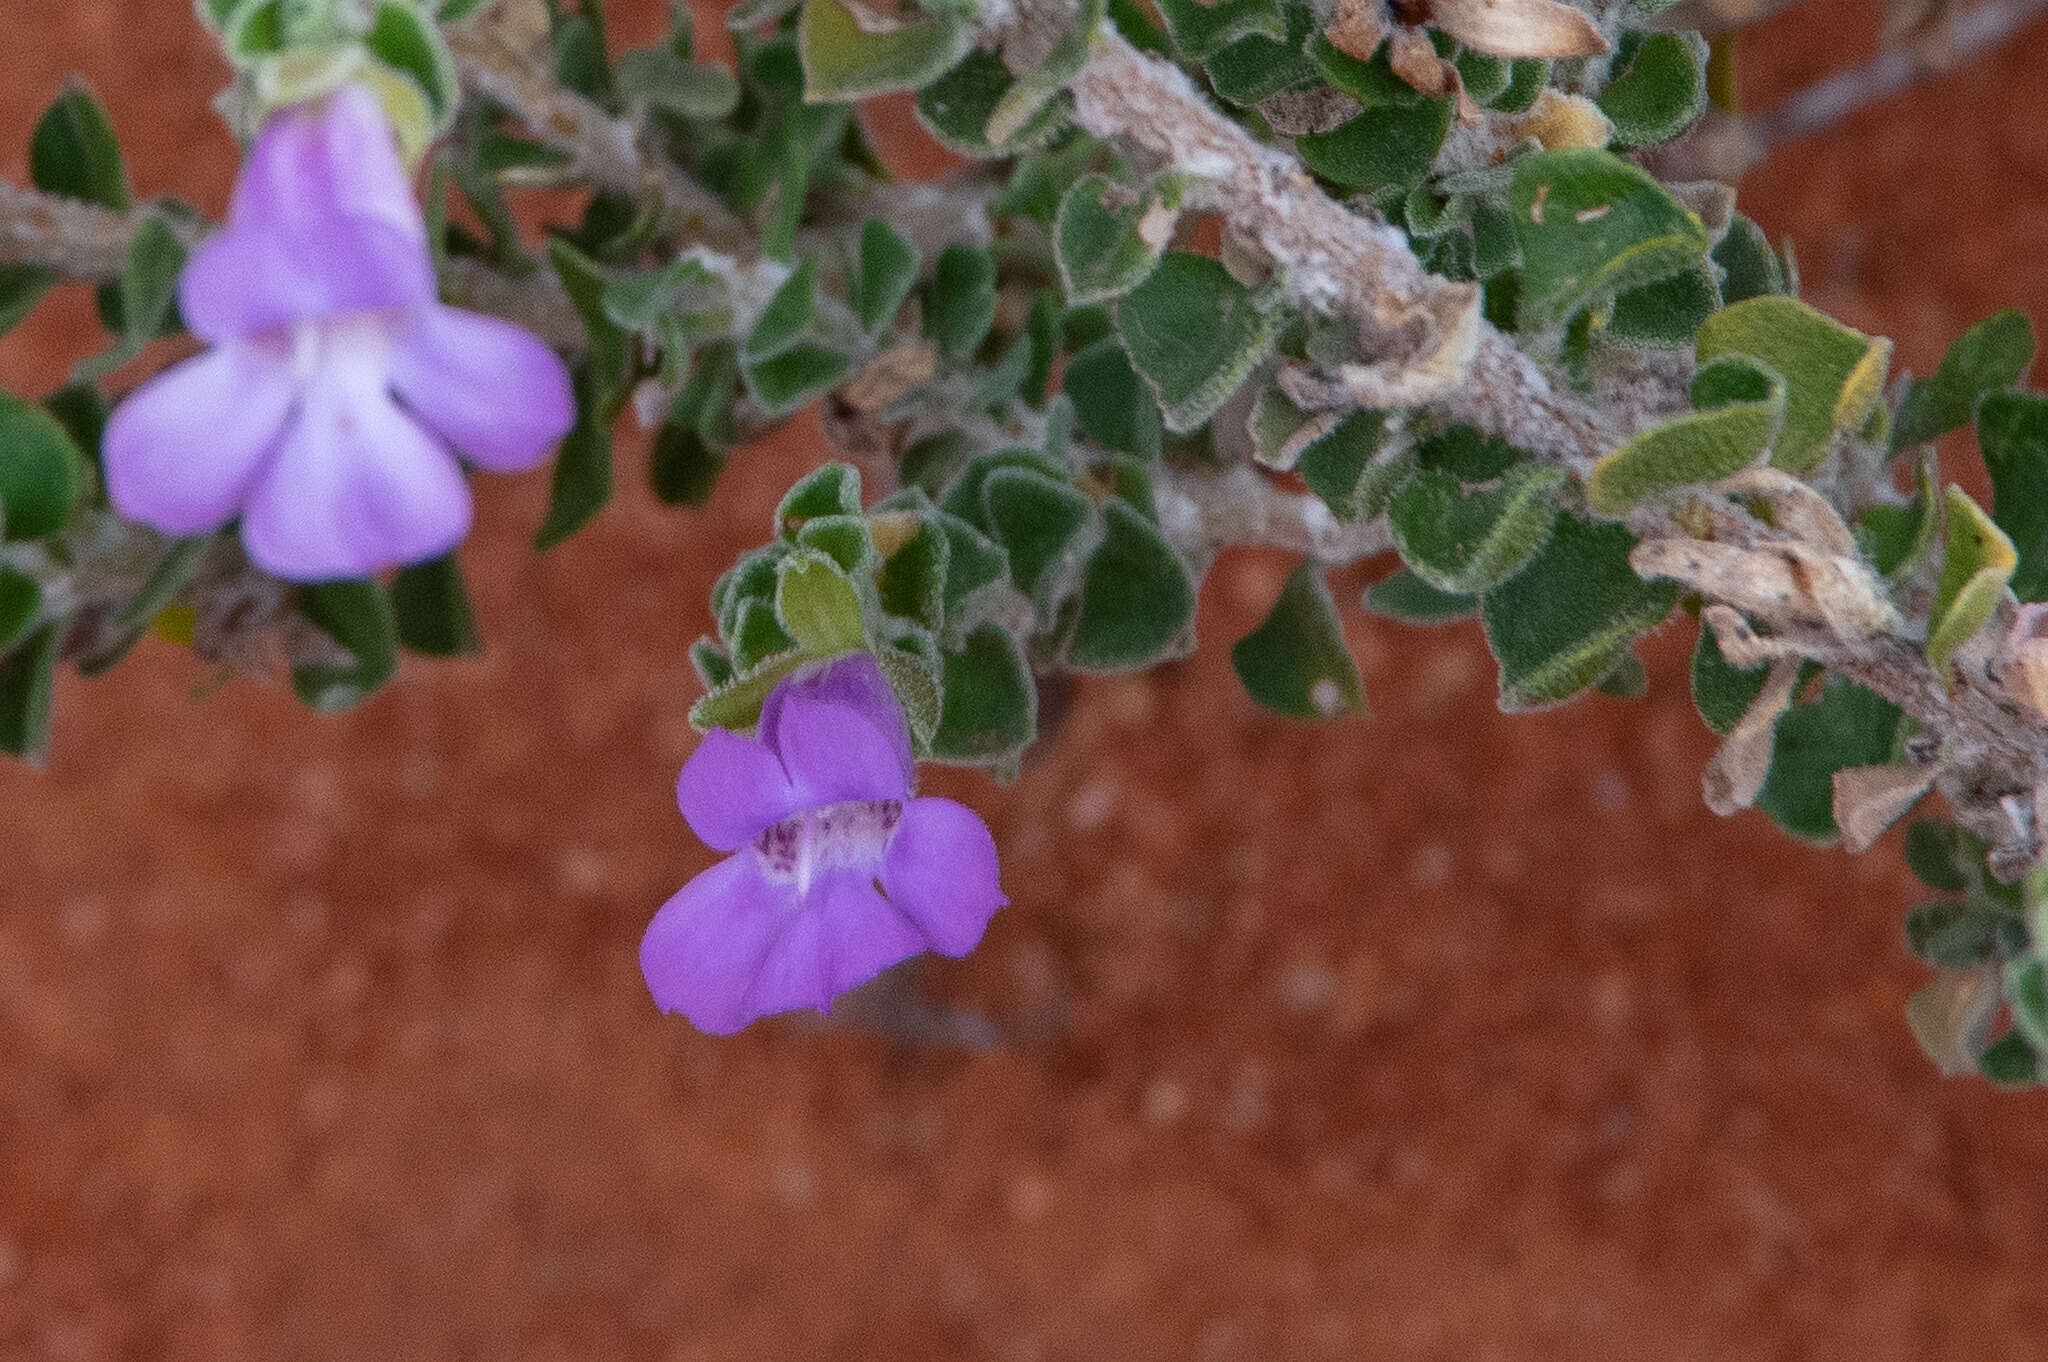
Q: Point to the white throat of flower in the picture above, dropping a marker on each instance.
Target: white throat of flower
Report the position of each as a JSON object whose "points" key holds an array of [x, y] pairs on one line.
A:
{"points": [[852, 835]]}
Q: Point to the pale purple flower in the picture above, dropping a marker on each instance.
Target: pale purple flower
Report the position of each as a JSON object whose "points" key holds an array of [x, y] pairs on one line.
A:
{"points": [[338, 391], [837, 872]]}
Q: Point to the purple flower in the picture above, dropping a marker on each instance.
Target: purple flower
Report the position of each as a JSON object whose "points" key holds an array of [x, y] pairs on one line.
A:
{"points": [[836, 872], [319, 301]]}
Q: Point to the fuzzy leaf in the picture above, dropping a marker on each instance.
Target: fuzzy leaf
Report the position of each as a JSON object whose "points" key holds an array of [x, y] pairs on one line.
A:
{"points": [[1193, 333], [1106, 251], [1960, 935], [358, 616], [1466, 542], [1029, 98], [974, 562], [1038, 521], [1592, 226], [1348, 470], [73, 152], [42, 473], [844, 61], [957, 109], [1991, 357], [1295, 663], [887, 273], [1751, 269], [1745, 409], [409, 42], [1201, 30], [1406, 597], [1662, 91], [1833, 375], [1664, 315], [829, 489], [432, 608], [1387, 145], [1257, 67], [912, 582], [1110, 402], [21, 288], [663, 80], [1845, 726], [582, 481], [817, 605], [1720, 692], [1559, 625], [1136, 600], [1979, 563], [2012, 431], [1942, 855], [963, 300], [27, 677], [989, 711], [21, 600]]}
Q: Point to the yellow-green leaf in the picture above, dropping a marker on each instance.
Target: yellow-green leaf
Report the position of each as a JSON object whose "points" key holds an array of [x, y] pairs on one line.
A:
{"points": [[1979, 563]]}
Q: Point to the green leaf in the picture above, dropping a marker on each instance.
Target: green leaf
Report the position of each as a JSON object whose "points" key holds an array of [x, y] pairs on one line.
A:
{"points": [[1961, 935], [21, 600], [1660, 94], [42, 473], [797, 376], [912, 582], [1942, 855], [580, 60], [1979, 562], [1113, 407], [1387, 145], [713, 667], [1592, 226], [827, 490], [73, 151], [1022, 107], [1664, 315], [1833, 375], [911, 665], [956, 109], [929, 463], [1990, 357], [585, 281], [358, 616], [661, 79], [1136, 601], [1372, 83], [736, 706], [2010, 1062], [174, 571], [2026, 998], [1038, 520], [1406, 597], [1106, 246], [21, 288], [432, 609], [1559, 625], [27, 677], [1846, 726], [974, 562], [1348, 470], [1295, 663], [639, 301], [817, 605], [1526, 78], [1466, 542], [844, 539], [408, 41], [963, 301], [1721, 692], [582, 481], [1193, 333], [989, 713], [887, 273], [1751, 269], [757, 635], [1256, 68], [682, 468], [2012, 431], [843, 61], [788, 315], [149, 284], [1745, 410], [1200, 31], [1466, 453]]}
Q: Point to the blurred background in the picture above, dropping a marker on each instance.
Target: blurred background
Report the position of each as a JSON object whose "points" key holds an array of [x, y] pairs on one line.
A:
{"points": [[1438, 1035]]}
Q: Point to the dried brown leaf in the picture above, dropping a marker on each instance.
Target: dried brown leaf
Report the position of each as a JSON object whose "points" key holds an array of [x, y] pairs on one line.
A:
{"points": [[1519, 28], [1359, 27], [1869, 799], [1735, 775]]}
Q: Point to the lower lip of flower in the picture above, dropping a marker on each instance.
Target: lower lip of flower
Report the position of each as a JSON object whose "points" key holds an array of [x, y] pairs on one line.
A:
{"points": [[851, 834]]}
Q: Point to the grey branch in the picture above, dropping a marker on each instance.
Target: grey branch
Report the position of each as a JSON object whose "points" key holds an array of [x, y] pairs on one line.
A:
{"points": [[1242, 507]]}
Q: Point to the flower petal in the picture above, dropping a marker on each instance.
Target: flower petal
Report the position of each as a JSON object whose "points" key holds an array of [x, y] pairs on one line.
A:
{"points": [[731, 789], [844, 936], [493, 390], [852, 680], [184, 448], [833, 753], [323, 220], [703, 951], [356, 486], [940, 871]]}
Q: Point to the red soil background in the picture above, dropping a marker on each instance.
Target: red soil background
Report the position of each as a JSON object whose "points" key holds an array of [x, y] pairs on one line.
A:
{"points": [[1441, 1035]]}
